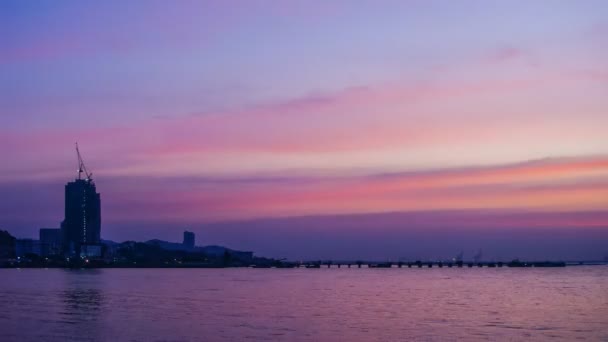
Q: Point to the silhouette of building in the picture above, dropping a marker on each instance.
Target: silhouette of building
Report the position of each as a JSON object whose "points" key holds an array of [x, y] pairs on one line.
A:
{"points": [[189, 239], [50, 241], [27, 246], [82, 222], [81, 227]]}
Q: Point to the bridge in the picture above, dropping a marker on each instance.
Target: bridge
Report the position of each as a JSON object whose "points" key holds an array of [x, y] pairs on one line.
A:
{"points": [[425, 264]]}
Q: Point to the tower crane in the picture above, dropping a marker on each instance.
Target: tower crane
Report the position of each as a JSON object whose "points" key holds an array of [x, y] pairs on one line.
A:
{"points": [[82, 168]]}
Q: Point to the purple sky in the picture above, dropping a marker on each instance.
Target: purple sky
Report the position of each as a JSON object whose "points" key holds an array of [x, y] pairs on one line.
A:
{"points": [[255, 123]]}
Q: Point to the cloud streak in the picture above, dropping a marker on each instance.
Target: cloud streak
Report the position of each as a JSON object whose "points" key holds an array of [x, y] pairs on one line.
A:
{"points": [[561, 184], [424, 117]]}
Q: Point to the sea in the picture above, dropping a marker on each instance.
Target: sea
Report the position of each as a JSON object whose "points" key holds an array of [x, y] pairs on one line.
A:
{"points": [[336, 304]]}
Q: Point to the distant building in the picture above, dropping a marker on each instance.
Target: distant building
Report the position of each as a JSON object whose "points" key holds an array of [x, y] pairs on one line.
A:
{"points": [[27, 246], [170, 246], [90, 251], [82, 223], [50, 241], [189, 240]]}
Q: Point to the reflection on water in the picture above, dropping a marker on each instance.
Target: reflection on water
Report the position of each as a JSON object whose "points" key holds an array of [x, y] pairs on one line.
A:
{"points": [[82, 303], [82, 295], [80, 315], [303, 305]]}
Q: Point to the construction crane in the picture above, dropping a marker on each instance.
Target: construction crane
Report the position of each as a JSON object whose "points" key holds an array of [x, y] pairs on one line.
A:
{"points": [[477, 257], [459, 257], [82, 168]]}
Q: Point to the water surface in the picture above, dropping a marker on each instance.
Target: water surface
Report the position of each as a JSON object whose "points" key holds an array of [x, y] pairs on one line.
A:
{"points": [[304, 304]]}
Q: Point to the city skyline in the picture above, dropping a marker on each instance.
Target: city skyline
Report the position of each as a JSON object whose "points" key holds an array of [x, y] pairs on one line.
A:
{"points": [[419, 119]]}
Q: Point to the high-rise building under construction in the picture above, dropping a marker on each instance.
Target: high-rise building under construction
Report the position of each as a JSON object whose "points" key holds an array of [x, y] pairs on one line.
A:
{"points": [[81, 227]]}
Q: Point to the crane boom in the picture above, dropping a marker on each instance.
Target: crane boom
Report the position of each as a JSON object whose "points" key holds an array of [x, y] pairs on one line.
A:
{"points": [[82, 168]]}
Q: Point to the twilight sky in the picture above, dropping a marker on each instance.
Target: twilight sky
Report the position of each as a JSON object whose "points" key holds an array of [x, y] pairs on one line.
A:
{"points": [[304, 129]]}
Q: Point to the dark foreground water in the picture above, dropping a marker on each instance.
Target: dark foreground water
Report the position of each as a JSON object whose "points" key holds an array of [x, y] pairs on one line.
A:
{"points": [[304, 304]]}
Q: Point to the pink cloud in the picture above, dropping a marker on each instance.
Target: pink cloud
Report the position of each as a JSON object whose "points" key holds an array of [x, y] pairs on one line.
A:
{"points": [[356, 119], [561, 184]]}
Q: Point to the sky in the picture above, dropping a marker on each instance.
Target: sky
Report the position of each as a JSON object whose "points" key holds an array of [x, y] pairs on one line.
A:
{"points": [[305, 129]]}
